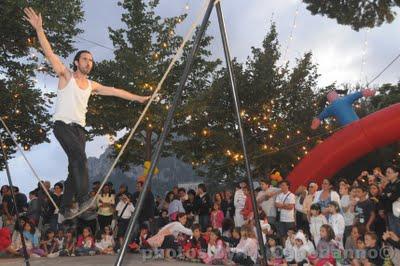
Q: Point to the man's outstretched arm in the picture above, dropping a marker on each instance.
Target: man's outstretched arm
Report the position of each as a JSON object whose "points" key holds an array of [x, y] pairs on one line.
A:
{"points": [[111, 91], [36, 21]]}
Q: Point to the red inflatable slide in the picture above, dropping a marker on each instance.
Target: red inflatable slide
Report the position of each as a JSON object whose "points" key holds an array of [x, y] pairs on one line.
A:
{"points": [[347, 145]]}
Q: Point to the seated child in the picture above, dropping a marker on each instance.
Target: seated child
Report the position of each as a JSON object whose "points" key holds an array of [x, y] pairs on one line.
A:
{"points": [[106, 244], [216, 250], [50, 245], [141, 241], [195, 245], [85, 244]]}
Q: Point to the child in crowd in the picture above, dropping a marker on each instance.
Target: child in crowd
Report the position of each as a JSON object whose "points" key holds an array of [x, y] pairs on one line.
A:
{"points": [[106, 244], [246, 252], [60, 239], [206, 234], [141, 241], [216, 217], [68, 248], [372, 251], [327, 247], [31, 241], [336, 221], [301, 250], [163, 220], [316, 219], [50, 245], [289, 243], [85, 244], [216, 250], [195, 245], [234, 240], [274, 252]]}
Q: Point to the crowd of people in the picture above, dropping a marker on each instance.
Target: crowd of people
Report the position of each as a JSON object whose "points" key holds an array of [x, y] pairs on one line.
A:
{"points": [[348, 222]]}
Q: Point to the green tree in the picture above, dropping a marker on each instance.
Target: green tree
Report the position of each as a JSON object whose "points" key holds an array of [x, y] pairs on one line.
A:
{"points": [[275, 102], [357, 14], [24, 105], [144, 49]]}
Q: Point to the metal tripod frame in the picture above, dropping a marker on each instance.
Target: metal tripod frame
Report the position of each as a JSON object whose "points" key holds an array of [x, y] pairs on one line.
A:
{"points": [[168, 121], [25, 252]]}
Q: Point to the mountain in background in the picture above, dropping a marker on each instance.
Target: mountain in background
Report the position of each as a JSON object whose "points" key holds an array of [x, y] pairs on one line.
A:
{"points": [[172, 172]]}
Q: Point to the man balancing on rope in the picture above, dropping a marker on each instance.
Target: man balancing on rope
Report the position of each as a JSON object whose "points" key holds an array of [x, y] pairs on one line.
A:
{"points": [[341, 107], [74, 90]]}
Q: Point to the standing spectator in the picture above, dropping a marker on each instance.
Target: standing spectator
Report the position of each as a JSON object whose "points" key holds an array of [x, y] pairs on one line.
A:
{"points": [[146, 216], [364, 209], [216, 217], [189, 206], [316, 221], [301, 215], [123, 190], [247, 211], [53, 214], [239, 202], [348, 205], [204, 204], [336, 220], [34, 210], [124, 210], [105, 204], [230, 207], [266, 200], [380, 222], [174, 208], [309, 199], [182, 194], [326, 195], [390, 194], [284, 203]]}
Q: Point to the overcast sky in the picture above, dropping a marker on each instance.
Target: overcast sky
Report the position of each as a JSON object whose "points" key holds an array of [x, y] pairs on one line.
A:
{"points": [[337, 50]]}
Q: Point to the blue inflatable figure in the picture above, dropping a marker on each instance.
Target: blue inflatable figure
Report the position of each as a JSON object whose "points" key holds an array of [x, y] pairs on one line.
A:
{"points": [[341, 107]]}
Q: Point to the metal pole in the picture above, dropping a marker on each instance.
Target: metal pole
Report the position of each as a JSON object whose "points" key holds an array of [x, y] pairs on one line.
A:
{"points": [[164, 133], [242, 138], [26, 256]]}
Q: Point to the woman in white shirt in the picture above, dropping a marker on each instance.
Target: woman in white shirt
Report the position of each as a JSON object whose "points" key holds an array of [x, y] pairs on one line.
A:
{"points": [[105, 204], [166, 237]]}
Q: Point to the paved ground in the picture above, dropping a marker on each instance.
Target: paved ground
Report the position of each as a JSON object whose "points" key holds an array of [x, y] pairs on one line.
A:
{"points": [[130, 259]]}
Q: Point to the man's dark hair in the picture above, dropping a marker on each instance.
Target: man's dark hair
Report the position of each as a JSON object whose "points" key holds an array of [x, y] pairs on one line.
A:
{"points": [[182, 190], [59, 184], [202, 187], [284, 181], [266, 181], [78, 56]]}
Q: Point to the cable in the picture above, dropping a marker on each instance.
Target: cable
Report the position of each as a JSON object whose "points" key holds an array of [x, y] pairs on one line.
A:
{"points": [[29, 164]]}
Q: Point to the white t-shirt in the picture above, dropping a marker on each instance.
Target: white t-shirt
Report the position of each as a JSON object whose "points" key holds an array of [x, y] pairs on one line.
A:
{"points": [[286, 216], [128, 211], [268, 206]]}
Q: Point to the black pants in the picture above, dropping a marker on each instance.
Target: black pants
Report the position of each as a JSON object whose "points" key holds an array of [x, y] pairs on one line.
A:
{"points": [[104, 221], [242, 259], [73, 139]]}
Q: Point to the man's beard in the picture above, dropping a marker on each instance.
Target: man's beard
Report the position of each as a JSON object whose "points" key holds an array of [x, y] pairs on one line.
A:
{"points": [[84, 70]]}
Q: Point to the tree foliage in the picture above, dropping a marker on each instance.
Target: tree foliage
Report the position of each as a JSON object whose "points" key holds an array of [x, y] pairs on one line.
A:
{"points": [[144, 49], [357, 14]]}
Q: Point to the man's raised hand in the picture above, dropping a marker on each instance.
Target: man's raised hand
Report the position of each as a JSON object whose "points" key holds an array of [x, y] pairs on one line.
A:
{"points": [[34, 19]]}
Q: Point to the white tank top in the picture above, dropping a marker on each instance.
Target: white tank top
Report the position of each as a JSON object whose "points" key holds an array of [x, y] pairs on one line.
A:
{"points": [[72, 102]]}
